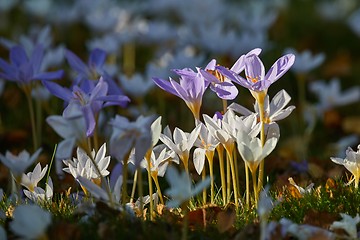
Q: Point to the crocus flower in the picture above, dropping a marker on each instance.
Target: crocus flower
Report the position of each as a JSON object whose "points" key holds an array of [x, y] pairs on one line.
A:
{"points": [[181, 189], [90, 103], [31, 179], [182, 143], [306, 61], [84, 166], [348, 224], [191, 88], [251, 149], [274, 111], [255, 78], [39, 194], [88, 74], [352, 163], [30, 221], [330, 95], [127, 135], [19, 163], [23, 69]]}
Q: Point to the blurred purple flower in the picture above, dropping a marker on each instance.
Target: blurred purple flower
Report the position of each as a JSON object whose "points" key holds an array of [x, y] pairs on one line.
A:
{"points": [[191, 88], [23, 69], [89, 103], [89, 73]]}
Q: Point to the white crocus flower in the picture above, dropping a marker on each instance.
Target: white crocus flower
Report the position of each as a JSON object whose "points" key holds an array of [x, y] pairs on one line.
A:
{"points": [[19, 163], [38, 194], [274, 111], [206, 145], [351, 162], [137, 85], [127, 135], [301, 190], [182, 143], [330, 95], [348, 224], [305, 61], [31, 179], [84, 166], [30, 221], [101, 193], [159, 160], [181, 189], [251, 149]]}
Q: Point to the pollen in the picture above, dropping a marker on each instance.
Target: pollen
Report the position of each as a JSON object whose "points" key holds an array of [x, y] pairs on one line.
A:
{"points": [[253, 79], [217, 74]]}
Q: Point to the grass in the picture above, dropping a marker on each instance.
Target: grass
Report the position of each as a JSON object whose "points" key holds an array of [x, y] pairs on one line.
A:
{"points": [[93, 220]]}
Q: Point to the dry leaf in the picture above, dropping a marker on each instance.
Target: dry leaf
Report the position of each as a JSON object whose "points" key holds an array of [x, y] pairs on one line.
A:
{"points": [[226, 219]]}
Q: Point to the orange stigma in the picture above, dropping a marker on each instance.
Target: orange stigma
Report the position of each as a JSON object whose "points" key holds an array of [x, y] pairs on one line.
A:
{"points": [[253, 79]]}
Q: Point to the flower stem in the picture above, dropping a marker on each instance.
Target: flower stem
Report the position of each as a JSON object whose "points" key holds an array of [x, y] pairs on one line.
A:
{"points": [[158, 189], [203, 176], [256, 193], [140, 192], [210, 157], [228, 178], [134, 186], [247, 185], [27, 90], [220, 151], [184, 230], [147, 156], [233, 173], [262, 139]]}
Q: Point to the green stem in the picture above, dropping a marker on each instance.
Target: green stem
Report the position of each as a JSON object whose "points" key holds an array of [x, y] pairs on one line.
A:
{"points": [[184, 230], [124, 196], [27, 90], [220, 151]]}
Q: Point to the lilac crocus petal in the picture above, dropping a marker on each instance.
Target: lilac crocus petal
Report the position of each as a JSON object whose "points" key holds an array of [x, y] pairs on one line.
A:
{"points": [[211, 65], [112, 100], [280, 67], [165, 85], [254, 68], [76, 63], [89, 120], [49, 75], [58, 91], [97, 58], [37, 57], [18, 56], [239, 65]]}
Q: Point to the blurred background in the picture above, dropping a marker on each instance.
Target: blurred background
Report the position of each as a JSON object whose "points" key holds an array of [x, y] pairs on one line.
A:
{"points": [[145, 39]]}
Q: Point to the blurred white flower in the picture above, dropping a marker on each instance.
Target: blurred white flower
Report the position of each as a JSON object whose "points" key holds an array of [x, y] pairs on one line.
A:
{"points": [[38, 194], [136, 85], [330, 95], [342, 144], [305, 60], [38, 7], [2, 233], [6, 5], [348, 224], [181, 189], [30, 221], [303, 231], [131, 135], [354, 20], [19, 163], [351, 162]]}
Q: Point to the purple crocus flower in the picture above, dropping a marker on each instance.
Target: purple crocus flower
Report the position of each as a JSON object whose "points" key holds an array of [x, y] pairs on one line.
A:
{"points": [[23, 69], [191, 88], [256, 80], [88, 103], [89, 73], [221, 85]]}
